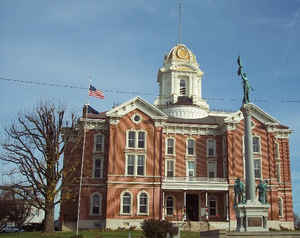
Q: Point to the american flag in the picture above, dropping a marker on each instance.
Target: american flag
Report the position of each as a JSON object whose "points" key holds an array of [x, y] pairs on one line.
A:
{"points": [[95, 93]]}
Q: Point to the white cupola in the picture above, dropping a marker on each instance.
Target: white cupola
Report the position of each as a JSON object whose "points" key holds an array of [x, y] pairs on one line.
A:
{"points": [[180, 85]]}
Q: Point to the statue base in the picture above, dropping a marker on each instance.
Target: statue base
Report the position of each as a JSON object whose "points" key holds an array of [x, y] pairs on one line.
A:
{"points": [[252, 216]]}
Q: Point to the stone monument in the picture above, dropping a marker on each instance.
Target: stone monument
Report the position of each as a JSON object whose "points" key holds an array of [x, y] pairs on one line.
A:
{"points": [[251, 213]]}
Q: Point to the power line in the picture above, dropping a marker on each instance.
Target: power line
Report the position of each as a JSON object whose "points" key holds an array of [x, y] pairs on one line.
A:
{"points": [[289, 100]]}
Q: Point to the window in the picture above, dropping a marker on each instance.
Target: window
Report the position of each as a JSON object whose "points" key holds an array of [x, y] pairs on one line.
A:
{"points": [[140, 165], [190, 147], [141, 139], [280, 207], [256, 144], [126, 200], [170, 206], [212, 169], [135, 164], [130, 164], [99, 143], [98, 168], [96, 201], [212, 206], [143, 203], [170, 168], [190, 168], [136, 139], [182, 87], [211, 147], [257, 168], [170, 146], [131, 139]]}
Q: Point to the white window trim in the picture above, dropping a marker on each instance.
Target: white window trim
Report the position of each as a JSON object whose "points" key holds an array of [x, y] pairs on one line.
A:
{"points": [[135, 164], [100, 204], [136, 139], [166, 146], [187, 167], [185, 79], [121, 203], [259, 144], [95, 140], [166, 167], [261, 175], [255, 156], [136, 114], [212, 198], [174, 205], [207, 148], [101, 158], [187, 149], [280, 200], [138, 204], [215, 167]]}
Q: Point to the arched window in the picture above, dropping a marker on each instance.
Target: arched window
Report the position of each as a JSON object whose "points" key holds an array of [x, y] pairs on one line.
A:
{"points": [[96, 204], [143, 203], [212, 206], [170, 206], [280, 207], [182, 87], [126, 201]]}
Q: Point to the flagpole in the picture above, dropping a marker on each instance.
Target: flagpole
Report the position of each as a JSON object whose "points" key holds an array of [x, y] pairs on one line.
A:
{"points": [[82, 162]]}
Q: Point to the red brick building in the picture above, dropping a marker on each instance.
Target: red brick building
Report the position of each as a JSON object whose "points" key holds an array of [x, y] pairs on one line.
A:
{"points": [[174, 159]]}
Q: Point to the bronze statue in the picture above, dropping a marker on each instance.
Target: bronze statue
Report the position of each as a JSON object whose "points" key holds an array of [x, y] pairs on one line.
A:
{"points": [[246, 85], [239, 188], [262, 191]]}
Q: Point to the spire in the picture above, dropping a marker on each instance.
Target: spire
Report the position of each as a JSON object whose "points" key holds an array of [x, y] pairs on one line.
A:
{"points": [[179, 22]]}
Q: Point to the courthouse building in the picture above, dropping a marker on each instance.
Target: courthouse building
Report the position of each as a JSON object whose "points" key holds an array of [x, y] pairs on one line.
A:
{"points": [[175, 159]]}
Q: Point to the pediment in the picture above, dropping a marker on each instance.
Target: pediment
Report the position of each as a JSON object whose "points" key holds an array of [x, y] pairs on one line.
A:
{"points": [[256, 112], [262, 116], [137, 103]]}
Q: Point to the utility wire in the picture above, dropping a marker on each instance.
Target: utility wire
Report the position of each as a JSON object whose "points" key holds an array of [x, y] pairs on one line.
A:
{"points": [[290, 100]]}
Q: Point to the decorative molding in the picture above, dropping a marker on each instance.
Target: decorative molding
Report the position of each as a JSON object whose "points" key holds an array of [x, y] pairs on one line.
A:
{"points": [[91, 124]]}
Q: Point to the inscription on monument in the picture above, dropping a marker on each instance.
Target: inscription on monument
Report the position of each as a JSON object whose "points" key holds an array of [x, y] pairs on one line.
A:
{"points": [[254, 222]]}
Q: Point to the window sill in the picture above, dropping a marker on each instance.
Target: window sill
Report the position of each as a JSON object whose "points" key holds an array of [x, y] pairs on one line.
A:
{"points": [[142, 214], [125, 214]]}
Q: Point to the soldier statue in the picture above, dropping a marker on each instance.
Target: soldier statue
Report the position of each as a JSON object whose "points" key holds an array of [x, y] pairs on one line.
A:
{"points": [[262, 191], [246, 85], [239, 188]]}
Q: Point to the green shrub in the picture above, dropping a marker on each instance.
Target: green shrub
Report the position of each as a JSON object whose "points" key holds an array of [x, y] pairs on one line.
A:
{"points": [[158, 229]]}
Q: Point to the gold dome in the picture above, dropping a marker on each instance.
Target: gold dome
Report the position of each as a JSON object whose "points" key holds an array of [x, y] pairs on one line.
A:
{"points": [[181, 53]]}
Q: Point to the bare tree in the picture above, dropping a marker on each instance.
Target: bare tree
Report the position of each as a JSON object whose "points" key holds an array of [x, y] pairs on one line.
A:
{"points": [[34, 147]]}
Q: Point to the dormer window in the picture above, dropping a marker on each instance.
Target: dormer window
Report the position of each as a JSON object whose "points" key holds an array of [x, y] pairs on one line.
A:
{"points": [[182, 87]]}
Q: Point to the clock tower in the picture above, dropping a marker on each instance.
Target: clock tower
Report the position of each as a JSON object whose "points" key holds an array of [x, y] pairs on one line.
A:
{"points": [[180, 85]]}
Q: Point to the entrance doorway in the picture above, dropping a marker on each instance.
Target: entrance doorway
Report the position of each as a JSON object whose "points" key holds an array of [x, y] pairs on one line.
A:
{"points": [[192, 207]]}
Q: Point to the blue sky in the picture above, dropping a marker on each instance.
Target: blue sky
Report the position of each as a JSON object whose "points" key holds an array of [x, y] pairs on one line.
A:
{"points": [[120, 45]]}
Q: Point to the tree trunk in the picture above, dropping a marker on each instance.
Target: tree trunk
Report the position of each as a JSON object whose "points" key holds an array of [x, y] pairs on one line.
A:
{"points": [[49, 219]]}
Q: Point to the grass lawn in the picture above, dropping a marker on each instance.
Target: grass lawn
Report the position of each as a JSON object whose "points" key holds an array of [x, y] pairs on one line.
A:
{"points": [[88, 234]]}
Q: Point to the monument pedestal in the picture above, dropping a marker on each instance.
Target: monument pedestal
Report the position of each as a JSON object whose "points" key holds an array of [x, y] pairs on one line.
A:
{"points": [[252, 216]]}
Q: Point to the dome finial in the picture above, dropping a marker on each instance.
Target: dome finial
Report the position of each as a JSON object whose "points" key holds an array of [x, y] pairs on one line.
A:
{"points": [[179, 22]]}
